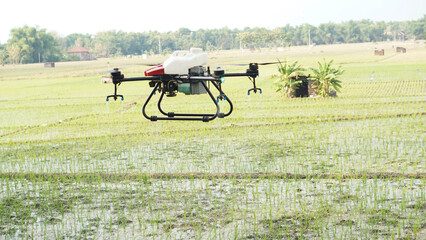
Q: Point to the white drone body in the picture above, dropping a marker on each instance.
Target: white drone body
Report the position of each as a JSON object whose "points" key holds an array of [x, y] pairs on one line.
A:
{"points": [[179, 63]]}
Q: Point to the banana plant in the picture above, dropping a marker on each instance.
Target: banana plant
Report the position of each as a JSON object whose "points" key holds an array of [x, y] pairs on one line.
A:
{"points": [[326, 76], [289, 79]]}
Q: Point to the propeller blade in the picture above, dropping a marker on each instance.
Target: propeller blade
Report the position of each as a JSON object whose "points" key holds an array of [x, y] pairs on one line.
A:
{"points": [[111, 70], [148, 64], [107, 71], [246, 64], [235, 64], [220, 67], [267, 63]]}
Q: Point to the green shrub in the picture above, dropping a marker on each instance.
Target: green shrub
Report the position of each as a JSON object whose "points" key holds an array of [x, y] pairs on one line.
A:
{"points": [[289, 78], [326, 76]]}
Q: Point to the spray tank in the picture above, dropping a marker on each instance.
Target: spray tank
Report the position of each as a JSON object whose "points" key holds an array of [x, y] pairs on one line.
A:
{"points": [[180, 62]]}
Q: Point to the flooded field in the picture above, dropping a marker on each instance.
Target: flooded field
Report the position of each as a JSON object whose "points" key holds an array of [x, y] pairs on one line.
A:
{"points": [[350, 167]]}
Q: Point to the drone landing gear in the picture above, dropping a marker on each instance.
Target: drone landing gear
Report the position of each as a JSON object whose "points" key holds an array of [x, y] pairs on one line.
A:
{"points": [[188, 116], [115, 95], [254, 89]]}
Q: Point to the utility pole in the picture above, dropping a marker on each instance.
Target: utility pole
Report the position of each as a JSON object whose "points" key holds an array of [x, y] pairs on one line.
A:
{"points": [[159, 45], [309, 37]]}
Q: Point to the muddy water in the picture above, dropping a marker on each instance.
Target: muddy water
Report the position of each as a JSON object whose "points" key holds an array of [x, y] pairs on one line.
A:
{"points": [[225, 208]]}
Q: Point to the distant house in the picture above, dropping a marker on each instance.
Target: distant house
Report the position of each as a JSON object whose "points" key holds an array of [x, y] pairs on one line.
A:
{"points": [[380, 52], [401, 50], [402, 35], [81, 53], [49, 64]]}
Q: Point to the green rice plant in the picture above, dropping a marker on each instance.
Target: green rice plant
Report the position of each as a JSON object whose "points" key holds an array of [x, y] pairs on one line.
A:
{"points": [[326, 77]]}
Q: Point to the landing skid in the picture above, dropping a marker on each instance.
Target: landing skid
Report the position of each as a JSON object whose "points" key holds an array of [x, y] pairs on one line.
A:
{"points": [[205, 117]]}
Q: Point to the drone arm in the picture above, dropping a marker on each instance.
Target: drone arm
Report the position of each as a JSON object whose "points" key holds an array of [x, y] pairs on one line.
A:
{"points": [[199, 78], [118, 78], [136, 79], [240, 75], [252, 75]]}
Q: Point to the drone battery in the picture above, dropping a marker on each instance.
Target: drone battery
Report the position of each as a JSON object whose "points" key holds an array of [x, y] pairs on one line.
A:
{"points": [[192, 88], [198, 88], [184, 88]]}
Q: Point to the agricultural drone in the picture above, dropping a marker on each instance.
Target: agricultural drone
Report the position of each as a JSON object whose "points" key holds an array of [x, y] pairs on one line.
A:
{"points": [[185, 72]]}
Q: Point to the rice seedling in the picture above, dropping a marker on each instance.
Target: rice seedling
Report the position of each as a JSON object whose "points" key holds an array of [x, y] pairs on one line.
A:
{"points": [[349, 167]]}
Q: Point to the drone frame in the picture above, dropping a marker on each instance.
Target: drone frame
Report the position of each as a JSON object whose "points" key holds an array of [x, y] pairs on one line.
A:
{"points": [[167, 84]]}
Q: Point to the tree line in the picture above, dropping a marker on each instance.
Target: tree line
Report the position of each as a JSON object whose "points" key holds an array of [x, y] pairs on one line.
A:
{"points": [[34, 44]]}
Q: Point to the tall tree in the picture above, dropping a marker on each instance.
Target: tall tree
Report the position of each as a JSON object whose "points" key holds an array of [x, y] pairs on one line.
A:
{"points": [[262, 37], [31, 44], [107, 43], [78, 39], [14, 53], [3, 56]]}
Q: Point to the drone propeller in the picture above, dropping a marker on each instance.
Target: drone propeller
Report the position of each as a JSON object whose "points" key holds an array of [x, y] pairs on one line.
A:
{"points": [[235, 64], [148, 64], [245, 64], [115, 70], [267, 63]]}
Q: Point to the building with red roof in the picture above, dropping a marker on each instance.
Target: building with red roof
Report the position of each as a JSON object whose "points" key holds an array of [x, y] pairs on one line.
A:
{"points": [[80, 52]]}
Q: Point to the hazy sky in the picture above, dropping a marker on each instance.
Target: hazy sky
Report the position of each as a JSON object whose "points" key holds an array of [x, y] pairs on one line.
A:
{"points": [[78, 16]]}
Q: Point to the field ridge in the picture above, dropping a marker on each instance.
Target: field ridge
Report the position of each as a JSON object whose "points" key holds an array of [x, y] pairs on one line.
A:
{"points": [[201, 175]]}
